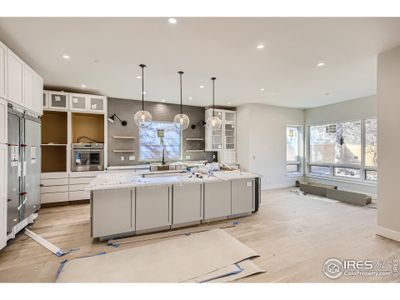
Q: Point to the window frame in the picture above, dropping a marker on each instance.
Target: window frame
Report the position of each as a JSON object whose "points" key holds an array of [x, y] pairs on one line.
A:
{"points": [[300, 160], [361, 167]]}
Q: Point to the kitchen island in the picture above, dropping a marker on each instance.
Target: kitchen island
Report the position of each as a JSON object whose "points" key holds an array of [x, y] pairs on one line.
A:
{"points": [[128, 203]]}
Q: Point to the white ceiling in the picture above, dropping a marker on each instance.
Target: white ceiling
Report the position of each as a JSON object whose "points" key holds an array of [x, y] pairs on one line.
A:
{"points": [[204, 47]]}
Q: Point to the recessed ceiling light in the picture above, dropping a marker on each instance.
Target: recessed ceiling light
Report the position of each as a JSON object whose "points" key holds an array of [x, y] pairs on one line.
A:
{"points": [[202, 86], [172, 21], [83, 85], [260, 46], [321, 64], [139, 77], [262, 89], [190, 98], [66, 56]]}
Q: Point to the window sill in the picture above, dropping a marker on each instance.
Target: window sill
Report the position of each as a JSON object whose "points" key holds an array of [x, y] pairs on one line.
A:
{"points": [[353, 181], [297, 174]]}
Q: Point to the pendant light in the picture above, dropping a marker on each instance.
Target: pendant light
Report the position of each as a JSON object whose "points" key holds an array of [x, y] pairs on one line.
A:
{"points": [[213, 121], [142, 116], [181, 119]]}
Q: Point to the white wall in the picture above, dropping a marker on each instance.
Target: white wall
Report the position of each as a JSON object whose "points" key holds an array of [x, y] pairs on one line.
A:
{"points": [[261, 131], [389, 144], [355, 109]]}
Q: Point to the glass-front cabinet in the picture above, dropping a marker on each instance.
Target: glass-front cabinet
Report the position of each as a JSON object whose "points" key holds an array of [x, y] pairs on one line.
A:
{"points": [[78, 102], [97, 103], [224, 138], [57, 101]]}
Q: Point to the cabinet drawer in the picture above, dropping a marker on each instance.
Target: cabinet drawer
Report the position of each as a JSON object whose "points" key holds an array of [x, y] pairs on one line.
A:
{"points": [[54, 197], [83, 180], [53, 175], [55, 181], [79, 195], [77, 187], [53, 189]]}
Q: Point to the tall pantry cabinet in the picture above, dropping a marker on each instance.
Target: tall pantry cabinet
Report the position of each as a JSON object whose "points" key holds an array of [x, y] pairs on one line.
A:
{"points": [[21, 87]]}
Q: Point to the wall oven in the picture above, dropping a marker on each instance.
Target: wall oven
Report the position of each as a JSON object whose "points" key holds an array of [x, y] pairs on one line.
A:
{"points": [[87, 157]]}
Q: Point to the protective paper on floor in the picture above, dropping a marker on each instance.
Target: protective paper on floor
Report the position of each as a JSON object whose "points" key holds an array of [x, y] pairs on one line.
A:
{"points": [[174, 260], [230, 273]]}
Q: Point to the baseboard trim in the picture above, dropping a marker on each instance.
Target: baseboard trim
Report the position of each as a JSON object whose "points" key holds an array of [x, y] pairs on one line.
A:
{"points": [[388, 233]]}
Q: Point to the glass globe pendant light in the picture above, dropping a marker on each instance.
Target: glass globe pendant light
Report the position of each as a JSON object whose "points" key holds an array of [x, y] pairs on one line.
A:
{"points": [[213, 121], [142, 117], [181, 119]]}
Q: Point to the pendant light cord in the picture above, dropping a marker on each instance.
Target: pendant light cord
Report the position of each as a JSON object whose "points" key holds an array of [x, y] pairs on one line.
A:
{"points": [[213, 95], [142, 66], [180, 80]]}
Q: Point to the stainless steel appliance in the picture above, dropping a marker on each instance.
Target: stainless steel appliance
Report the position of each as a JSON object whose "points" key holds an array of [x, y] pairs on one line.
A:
{"points": [[24, 164], [87, 157]]}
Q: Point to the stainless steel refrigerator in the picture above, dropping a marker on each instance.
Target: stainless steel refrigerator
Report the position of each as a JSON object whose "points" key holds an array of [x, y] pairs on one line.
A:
{"points": [[24, 165]]}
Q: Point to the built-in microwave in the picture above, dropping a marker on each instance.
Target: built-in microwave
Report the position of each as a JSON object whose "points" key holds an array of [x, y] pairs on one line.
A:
{"points": [[87, 157]]}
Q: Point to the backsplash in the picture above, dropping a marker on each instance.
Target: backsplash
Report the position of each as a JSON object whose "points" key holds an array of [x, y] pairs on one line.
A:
{"points": [[125, 109]]}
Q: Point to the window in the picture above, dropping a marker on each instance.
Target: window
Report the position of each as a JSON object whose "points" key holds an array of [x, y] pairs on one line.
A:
{"points": [[293, 149], [371, 153], [152, 145], [341, 150]]}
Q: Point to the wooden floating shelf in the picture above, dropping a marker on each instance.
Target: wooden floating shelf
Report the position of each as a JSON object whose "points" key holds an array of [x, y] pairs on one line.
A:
{"points": [[194, 150], [122, 137], [194, 139], [51, 144], [124, 151]]}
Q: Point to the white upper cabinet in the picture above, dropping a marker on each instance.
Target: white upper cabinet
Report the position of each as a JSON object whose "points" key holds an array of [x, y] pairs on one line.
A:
{"points": [[97, 103], [37, 94], [3, 70], [3, 121], [224, 138], [74, 102], [15, 70], [78, 102], [58, 101], [28, 87]]}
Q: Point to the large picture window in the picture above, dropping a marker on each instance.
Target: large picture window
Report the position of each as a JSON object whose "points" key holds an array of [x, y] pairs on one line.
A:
{"points": [[345, 149], [152, 145]]}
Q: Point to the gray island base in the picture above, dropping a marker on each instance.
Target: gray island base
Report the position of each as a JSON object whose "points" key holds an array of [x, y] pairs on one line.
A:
{"points": [[124, 204]]}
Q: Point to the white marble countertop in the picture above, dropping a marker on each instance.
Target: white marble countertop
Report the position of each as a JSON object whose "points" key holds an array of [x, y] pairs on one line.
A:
{"points": [[133, 179]]}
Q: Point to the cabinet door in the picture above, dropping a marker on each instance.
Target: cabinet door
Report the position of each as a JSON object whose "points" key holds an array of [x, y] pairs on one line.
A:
{"points": [[112, 212], [3, 121], [37, 93], [97, 103], [3, 195], [58, 101], [214, 136], [153, 207], [187, 203], [229, 116], [78, 102], [242, 196], [15, 69], [217, 199], [3, 70], [28, 87], [229, 136]]}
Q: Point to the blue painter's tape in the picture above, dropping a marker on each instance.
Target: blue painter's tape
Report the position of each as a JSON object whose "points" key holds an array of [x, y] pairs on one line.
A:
{"points": [[60, 268]]}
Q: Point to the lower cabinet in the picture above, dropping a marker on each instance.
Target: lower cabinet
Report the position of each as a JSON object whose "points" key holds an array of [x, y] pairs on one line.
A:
{"points": [[217, 199], [153, 207], [242, 196], [187, 203], [113, 212]]}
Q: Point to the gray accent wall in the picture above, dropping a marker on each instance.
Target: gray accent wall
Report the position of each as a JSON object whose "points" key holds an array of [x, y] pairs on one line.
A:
{"points": [[125, 110]]}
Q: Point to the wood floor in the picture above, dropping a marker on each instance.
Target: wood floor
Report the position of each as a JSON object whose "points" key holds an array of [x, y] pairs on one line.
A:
{"points": [[293, 235]]}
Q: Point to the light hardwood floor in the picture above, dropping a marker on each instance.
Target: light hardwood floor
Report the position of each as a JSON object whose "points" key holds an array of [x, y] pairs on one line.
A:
{"points": [[293, 235]]}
